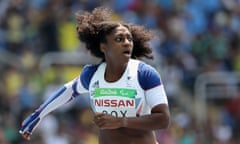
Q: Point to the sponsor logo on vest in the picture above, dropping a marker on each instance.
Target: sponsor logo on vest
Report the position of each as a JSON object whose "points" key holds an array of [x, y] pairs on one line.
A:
{"points": [[114, 103], [106, 100]]}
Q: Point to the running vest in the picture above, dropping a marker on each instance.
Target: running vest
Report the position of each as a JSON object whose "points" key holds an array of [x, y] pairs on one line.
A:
{"points": [[123, 98], [137, 91]]}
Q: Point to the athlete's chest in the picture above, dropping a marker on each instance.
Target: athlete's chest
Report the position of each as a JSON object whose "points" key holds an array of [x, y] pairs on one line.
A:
{"points": [[121, 98]]}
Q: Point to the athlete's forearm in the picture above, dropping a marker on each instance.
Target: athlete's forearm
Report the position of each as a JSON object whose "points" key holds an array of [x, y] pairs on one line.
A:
{"points": [[159, 120], [62, 96], [59, 98]]}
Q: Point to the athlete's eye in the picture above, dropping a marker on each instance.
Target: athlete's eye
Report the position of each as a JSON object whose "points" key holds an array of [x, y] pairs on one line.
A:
{"points": [[119, 39], [130, 39]]}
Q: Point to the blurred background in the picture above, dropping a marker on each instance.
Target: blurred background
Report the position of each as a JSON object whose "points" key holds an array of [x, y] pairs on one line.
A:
{"points": [[197, 53]]}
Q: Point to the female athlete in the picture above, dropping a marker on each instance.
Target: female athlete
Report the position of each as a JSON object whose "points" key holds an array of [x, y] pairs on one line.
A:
{"points": [[126, 94]]}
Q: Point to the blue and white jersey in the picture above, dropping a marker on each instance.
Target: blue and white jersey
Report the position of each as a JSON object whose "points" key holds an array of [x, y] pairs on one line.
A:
{"points": [[134, 94], [137, 91]]}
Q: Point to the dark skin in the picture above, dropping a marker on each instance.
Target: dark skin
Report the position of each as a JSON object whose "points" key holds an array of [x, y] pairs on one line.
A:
{"points": [[131, 130]]}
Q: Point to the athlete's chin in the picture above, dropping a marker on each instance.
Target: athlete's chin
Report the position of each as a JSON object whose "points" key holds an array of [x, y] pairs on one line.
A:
{"points": [[122, 58], [126, 59], [127, 56]]}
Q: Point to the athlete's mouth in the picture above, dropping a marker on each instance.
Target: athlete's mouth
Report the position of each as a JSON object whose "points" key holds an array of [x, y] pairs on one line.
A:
{"points": [[127, 52]]}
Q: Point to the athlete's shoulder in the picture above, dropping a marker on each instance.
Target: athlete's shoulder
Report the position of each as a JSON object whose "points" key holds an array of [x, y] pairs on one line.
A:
{"points": [[90, 68], [87, 74], [148, 76], [144, 67]]}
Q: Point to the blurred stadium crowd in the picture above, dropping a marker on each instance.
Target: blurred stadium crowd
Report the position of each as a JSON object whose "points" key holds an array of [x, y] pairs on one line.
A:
{"points": [[192, 37]]}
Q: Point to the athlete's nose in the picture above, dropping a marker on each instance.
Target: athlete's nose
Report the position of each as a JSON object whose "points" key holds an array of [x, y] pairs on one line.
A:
{"points": [[127, 42]]}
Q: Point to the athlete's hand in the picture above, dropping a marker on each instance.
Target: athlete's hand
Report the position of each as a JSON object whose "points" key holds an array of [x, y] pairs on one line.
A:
{"points": [[29, 124], [106, 121]]}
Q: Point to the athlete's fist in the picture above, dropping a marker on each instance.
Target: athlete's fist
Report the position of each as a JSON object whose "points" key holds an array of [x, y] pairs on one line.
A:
{"points": [[106, 121], [29, 124]]}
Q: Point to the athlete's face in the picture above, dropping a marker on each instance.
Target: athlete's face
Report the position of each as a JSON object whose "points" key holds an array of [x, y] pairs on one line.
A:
{"points": [[119, 45]]}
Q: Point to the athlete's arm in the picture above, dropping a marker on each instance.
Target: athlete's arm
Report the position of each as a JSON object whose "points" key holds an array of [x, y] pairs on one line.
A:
{"points": [[156, 98], [159, 118], [60, 97]]}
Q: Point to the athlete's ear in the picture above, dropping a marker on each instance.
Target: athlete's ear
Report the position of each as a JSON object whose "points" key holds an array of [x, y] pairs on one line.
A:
{"points": [[103, 47]]}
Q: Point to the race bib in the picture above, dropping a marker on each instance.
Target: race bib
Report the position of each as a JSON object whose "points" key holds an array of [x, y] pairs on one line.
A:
{"points": [[118, 102]]}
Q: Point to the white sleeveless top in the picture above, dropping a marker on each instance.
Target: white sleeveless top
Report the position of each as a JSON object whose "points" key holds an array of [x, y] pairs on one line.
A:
{"points": [[123, 98]]}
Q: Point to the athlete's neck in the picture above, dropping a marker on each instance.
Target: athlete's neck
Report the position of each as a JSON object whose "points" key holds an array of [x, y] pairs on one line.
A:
{"points": [[114, 72]]}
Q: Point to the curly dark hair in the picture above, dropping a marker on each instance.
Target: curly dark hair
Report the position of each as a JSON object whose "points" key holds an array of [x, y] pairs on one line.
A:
{"points": [[93, 28]]}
